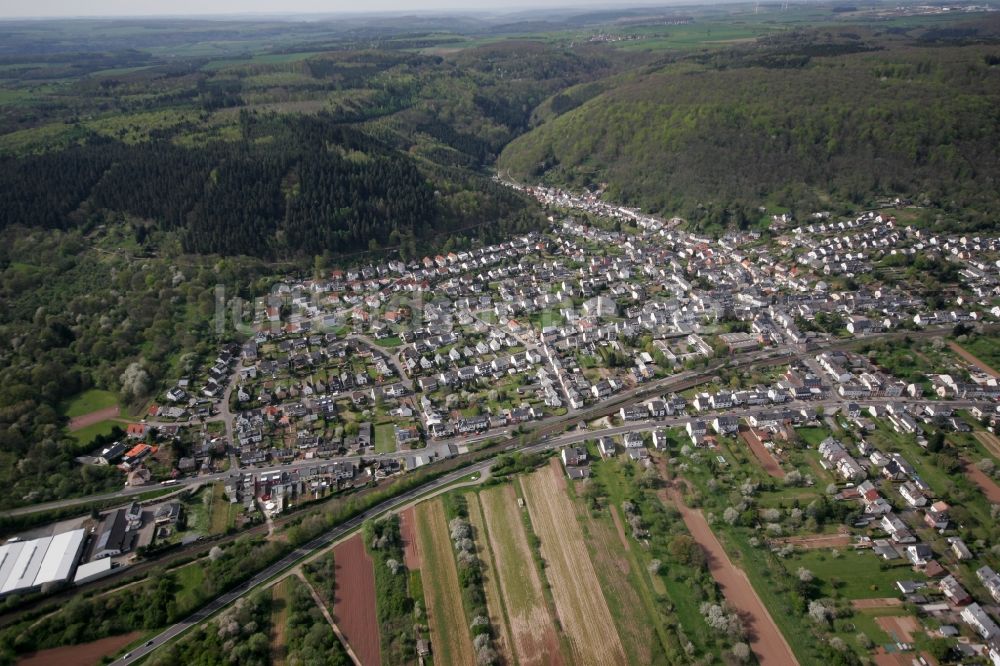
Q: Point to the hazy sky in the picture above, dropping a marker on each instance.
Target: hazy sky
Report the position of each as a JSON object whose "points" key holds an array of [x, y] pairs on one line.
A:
{"points": [[50, 8]]}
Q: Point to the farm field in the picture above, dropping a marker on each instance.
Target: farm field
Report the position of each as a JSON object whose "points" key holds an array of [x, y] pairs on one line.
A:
{"points": [[764, 457], [625, 584], [575, 587], [491, 586], [408, 533], [451, 641], [279, 622], [989, 441], [87, 654], [354, 600], [533, 633]]}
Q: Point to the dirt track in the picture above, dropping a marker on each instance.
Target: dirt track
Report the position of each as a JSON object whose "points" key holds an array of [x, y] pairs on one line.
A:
{"points": [[354, 600], [985, 483], [766, 641], [80, 422], [887, 602], [961, 351]]}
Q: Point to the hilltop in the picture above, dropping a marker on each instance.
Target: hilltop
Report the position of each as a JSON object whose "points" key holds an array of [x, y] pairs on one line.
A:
{"points": [[803, 121]]}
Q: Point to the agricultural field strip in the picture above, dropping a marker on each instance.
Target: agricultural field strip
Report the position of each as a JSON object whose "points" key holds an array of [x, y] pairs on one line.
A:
{"points": [[533, 632], [354, 600], [445, 614], [625, 587], [575, 587], [494, 601], [279, 622]]}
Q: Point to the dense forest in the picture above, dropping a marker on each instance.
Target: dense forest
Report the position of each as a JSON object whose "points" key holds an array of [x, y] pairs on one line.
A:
{"points": [[808, 121], [340, 152]]}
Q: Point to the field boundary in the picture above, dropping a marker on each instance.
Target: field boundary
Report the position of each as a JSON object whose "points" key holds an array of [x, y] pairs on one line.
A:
{"points": [[988, 440], [451, 641], [576, 590], [972, 358], [491, 586], [766, 639]]}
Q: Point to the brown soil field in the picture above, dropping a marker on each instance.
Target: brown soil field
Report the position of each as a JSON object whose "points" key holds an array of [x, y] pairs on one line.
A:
{"points": [[767, 461], [989, 440], [354, 600], [279, 622], [450, 638], [883, 658], [899, 628], [961, 351], [985, 483], [888, 602], [491, 586], [80, 422], [766, 640], [408, 533], [533, 632], [87, 654], [576, 589], [609, 553], [814, 541]]}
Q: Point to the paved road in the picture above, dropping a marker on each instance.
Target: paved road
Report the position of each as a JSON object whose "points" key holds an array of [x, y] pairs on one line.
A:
{"points": [[305, 551], [678, 382]]}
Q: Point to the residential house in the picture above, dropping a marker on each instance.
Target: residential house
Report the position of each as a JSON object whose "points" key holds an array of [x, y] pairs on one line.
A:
{"points": [[897, 529], [990, 580], [954, 591], [575, 462], [977, 618], [725, 425], [696, 431]]}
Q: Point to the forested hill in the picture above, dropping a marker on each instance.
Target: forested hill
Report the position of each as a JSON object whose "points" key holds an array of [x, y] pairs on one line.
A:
{"points": [[809, 121], [337, 152], [291, 184]]}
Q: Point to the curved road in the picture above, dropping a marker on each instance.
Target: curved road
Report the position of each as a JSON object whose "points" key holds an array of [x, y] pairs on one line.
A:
{"points": [[305, 551], [677, 382]]}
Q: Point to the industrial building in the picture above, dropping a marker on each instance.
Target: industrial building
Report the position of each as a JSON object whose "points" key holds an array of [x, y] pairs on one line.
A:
{"points": [[27, 565]]}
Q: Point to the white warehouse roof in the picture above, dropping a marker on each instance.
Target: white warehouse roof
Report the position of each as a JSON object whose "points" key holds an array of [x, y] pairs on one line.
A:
{"points": [[62, 555], [28, 564], [91, 570]]}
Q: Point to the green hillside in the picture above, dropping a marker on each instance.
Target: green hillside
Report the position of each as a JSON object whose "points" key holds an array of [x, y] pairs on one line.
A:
{"points": [[805, 121], [341, 152]]}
